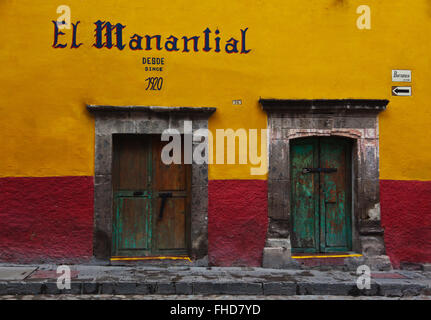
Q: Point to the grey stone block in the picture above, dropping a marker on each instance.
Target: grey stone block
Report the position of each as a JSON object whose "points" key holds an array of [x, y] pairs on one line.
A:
{"points": [[278, 228], [207, 288], [372, 245], [427, 267], [320, 123], [327, 288], [355, 122], [203, 262], [370, 163], [153, 126], [278, 258], [279, 288], [15, 273], [122, 126], [278, 242], [378, 263], [279, 155], [277, 199], [183, 288], [200, 124], [275, 128], [102, 191], [373, 291], [199, 175], [165, 288], [145, 288], [103, 154], [51, 288], [352, 263], [3, 288], [411, 266], [107, 288], [124, 288], [90, 288], [390, 288], [20, 288]]}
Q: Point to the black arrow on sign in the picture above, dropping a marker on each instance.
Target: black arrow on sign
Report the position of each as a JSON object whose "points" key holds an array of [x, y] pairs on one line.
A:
{"points": [[401, 90]]}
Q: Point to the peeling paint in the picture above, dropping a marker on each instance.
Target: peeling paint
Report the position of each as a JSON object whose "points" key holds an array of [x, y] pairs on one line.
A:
{"points": [[374, 213]]}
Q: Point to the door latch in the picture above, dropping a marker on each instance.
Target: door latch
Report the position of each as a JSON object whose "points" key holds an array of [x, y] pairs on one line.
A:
{"points": [[318, 170], [164, 196]]}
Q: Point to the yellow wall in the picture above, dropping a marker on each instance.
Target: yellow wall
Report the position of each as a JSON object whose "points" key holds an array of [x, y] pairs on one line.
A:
{"points": [[300, 49]]}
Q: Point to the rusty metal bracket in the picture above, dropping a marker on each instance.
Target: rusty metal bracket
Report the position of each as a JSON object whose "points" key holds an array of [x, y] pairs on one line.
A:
{"points": [[164, 196], [318, 170]]}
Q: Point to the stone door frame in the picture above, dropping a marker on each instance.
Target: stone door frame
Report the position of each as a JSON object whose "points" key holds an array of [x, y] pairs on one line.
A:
{"points": [[110, 120], [356, 119]]}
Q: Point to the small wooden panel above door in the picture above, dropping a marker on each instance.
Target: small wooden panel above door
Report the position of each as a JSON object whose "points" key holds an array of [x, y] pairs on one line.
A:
{"points": [[172, 177], [131, 162]]}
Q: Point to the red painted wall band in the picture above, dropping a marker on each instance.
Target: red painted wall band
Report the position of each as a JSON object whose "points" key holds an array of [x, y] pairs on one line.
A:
{"points": [[51, 219], [406, 218], [237, 222], [46, 219]]}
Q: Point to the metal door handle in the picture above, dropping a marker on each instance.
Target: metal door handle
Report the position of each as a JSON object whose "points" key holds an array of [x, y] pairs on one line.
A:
{"points": [[318, 170], [164, 196]]}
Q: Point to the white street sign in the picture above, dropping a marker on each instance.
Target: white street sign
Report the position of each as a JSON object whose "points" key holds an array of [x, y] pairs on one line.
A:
{"points": [[401, 76], [401, 91]]}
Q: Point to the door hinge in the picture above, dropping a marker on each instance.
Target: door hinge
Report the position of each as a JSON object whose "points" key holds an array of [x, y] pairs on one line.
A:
{"points": [[318, 170]]}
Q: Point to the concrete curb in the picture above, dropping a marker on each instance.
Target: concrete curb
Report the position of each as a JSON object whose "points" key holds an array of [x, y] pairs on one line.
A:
{"points": [[213, 288]]}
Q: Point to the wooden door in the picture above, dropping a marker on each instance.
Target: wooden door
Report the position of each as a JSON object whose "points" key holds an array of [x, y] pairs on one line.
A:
{"points": [[321, 194], [172, 185], [151, 199]]}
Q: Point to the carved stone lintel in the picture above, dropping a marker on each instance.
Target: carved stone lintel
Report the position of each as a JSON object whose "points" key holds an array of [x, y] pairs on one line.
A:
{"points": [[356, 119], [111, 120]]}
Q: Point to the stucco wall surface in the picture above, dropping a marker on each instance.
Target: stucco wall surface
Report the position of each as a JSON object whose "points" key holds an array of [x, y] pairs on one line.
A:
{"points": [[46, 219], [237, 222], [406, 218]]}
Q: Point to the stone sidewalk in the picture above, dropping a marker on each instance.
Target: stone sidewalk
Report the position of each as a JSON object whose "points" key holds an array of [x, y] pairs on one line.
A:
{"points": [[145, 280]]}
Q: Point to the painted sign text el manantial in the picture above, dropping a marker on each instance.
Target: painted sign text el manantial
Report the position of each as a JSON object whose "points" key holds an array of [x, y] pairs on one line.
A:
{"points": [[109, 35]]}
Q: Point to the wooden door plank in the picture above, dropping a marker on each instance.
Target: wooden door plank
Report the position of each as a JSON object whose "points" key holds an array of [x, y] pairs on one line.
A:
{"points": [[171, 232], [132, 227], [132, 230], [334, 198], [132, 162], [170, 229], [304, 195]]}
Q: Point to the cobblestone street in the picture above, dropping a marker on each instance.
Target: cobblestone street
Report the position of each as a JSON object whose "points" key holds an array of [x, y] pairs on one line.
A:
{"points": [[116, 282], [199, 297]]}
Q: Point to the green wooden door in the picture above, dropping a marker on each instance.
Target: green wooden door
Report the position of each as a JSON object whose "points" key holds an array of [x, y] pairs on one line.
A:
{"points": [[321, 194], [151, 199]]}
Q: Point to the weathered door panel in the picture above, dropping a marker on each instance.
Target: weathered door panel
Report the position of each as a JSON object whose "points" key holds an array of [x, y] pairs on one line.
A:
{"points": [[169, 177], [141, 182], [171, 223], [335, 195], [323, 188], [133, 225], [131, 181], [131, 163], [305, 214]]}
